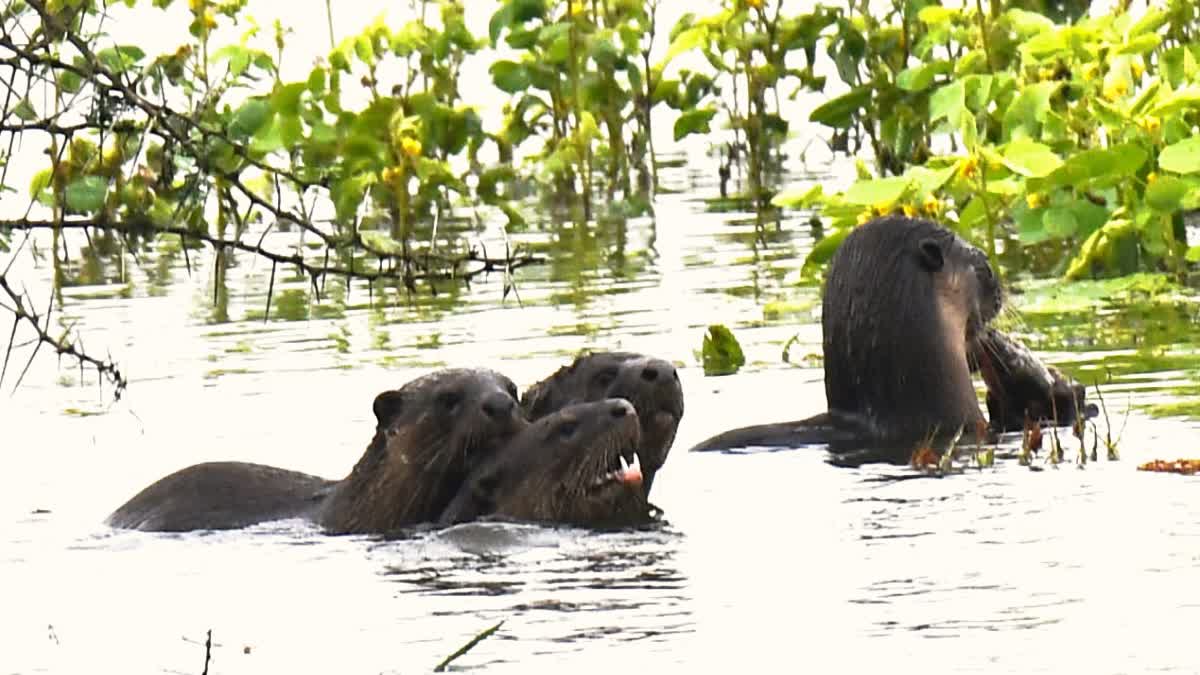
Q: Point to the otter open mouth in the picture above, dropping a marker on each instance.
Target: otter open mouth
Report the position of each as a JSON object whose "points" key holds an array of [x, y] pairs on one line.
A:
{"points": [[627, 473]]}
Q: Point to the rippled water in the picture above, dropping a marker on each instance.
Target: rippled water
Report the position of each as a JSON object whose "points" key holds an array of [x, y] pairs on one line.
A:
{"points": [[767, 562]]}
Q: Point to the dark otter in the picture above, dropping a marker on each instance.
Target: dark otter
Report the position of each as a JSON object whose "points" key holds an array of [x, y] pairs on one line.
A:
{"points": [[650, 384], [1021, 389], [904, 300], [430, 433], [577, 466]]}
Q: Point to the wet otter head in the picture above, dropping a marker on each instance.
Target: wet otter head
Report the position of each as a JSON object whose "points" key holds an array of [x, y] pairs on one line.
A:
{"points": [[650, 384], [905, 300], [577, 466], [430, 433]]}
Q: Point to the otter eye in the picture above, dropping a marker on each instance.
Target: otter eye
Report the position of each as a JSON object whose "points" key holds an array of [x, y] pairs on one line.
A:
{"points": [[930, 253], [449, 400], [567, 429]]}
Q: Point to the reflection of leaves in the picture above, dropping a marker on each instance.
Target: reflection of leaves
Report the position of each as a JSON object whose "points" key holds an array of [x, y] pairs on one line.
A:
{"points": [[86, 194], [721, 354]]}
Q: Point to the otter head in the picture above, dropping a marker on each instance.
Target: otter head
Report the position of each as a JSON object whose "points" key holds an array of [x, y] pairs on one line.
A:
{"points": [[429, 434], [904, 301], [577, 466], [651, 385]]}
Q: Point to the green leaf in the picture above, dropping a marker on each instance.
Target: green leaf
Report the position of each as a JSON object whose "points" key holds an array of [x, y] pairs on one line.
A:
{"points": [[249, 118], [720, 353], [948, 102], [795, 199], [1140, 44], [1166, 193], [839, 112], [24, 111], [1060, 222], [1115, 163], [1182, 157], [685, 41], [693, 121], [878, 191], [918, 78], [40, 181], [286, 98], [381, 242], [1030, 158], [509, 76], [1193, 254], [822, 252], [120, 59], [1025, 114], [86, 194]]}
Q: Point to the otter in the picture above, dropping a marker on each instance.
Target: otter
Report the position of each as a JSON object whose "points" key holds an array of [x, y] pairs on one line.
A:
{"points": [[904, 301], [430, 434], [651, 385], [577, 466], [1022, 390]]}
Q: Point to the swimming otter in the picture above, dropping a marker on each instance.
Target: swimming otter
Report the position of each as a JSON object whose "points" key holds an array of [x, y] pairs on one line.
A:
{"points": [[577, 466], [904, 301], [430, 433], [650, 384]]}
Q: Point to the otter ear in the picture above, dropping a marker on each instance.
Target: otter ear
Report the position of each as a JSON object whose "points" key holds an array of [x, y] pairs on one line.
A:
{"points": [[930, 253], [387, 406]]}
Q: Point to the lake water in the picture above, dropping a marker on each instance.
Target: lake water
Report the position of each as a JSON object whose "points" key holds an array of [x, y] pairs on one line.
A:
{"points": [[767, 562]]}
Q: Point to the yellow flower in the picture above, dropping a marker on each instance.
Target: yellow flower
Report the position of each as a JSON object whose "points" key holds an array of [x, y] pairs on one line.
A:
{"points": [[1151, 177], [1035, 200], [1151, 124], [1115, 90], [910, 210], [410, 146], [391, 173], [1137, 67], [931, 206], [969, 167], [756, 4], [864, 217], [210, 22], [196, 5]]}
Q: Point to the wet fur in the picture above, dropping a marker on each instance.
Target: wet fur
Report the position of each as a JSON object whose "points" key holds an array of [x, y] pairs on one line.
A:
{"points": [[903, 299], [547, 473], [422, 450], [651, 385], [1022, 389]]}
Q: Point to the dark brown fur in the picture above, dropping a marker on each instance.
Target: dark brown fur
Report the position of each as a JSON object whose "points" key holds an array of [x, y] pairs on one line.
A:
{"points": [[650, 384], [558, 471], [430, 433], [1021, 388], [903, 301]]}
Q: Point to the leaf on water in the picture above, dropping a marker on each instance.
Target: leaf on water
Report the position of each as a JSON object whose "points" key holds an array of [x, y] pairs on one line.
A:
{"points": [[721, 354]]}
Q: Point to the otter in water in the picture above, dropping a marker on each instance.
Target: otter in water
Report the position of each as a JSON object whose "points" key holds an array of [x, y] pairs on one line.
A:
{"points": [[1022, 390], [430, 434], [650, 384], [576, 466], [904, 301]]}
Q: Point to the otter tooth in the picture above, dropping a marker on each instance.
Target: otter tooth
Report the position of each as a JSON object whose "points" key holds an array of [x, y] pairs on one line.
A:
{"points": [[637, 462], [625, 464]]}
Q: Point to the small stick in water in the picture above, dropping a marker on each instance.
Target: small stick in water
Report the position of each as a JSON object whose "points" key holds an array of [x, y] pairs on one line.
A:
{"points": [[441, 667]]}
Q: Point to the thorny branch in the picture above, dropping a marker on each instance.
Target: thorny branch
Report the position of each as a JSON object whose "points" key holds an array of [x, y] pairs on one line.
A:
{"points": [[120, 106]]}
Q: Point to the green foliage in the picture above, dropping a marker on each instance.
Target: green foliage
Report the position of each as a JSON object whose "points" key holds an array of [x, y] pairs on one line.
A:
{"points": [[720, 353], [1069, 136]]}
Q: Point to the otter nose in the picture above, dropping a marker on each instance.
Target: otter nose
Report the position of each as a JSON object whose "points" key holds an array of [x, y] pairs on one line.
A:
{"points": [[619, 408], [498, 406], [654, 370]]}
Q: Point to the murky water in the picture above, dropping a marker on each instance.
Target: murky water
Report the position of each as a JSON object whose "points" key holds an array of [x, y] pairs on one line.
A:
{"points": [[768, 561]]}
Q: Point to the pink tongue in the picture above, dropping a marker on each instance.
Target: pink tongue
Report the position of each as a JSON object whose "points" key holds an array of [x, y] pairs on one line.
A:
{"points": [[632, 475]]}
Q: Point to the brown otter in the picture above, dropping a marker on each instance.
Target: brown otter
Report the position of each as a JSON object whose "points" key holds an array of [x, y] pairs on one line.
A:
{"points": [[430, 433], [1022, 389], [904, 300], [650, 384], [577, 466]]}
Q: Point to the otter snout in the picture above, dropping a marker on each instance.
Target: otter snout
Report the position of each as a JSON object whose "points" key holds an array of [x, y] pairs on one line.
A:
{"points": [[499, 406], [619, 408]]}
